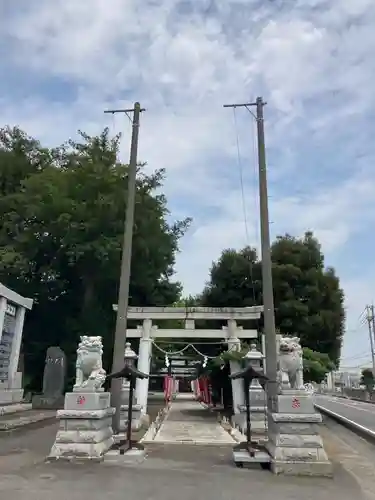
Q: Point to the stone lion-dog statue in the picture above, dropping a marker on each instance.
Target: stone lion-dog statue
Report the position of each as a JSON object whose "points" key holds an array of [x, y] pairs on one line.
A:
{"points": [[90, 375], [290, 369]]}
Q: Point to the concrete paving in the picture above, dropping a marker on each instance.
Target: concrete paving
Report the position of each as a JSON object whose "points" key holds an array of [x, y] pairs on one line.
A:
{"points": [[169, 471], [359, 412], [24, 417], [172, 470], [189, 422]]}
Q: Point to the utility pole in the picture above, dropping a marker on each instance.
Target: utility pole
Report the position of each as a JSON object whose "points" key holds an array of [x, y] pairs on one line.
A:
{"points": [[371, 330], [268, 302], [123, 295]]}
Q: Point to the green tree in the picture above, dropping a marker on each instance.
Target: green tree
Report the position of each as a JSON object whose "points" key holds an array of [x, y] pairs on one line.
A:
{"points": [[367, 379], [20, 157], [308, 297], [316, 365], [61, 236]]}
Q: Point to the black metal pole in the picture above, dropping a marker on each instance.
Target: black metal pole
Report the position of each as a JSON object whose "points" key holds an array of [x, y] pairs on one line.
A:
{"points": [[247, 403], [130, 413]]}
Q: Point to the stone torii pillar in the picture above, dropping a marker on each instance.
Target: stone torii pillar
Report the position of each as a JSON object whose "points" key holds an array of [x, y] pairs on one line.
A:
{"points": [[144, 361], [234, 344]]}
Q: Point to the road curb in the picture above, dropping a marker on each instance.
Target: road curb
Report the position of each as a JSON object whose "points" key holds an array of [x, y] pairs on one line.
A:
{"points": [[359, 429]]}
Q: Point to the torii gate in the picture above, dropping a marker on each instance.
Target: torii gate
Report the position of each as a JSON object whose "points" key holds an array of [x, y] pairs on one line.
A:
{"points": [[230, 334]]}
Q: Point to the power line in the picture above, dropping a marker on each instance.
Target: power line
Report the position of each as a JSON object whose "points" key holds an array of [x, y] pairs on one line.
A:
{"points": [[357, 356]]}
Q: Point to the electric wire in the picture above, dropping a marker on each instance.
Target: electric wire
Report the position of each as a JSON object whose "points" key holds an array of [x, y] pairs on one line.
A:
{"points": [[245, 219]]}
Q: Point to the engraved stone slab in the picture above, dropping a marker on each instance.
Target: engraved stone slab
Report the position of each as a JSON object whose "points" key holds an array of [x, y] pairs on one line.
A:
{"points": [[290, 403], [40, 401], [53, 381], [87, 400]]}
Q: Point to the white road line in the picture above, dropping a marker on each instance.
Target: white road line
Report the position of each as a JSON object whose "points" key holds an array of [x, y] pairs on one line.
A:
{"points": [[352, 406]]}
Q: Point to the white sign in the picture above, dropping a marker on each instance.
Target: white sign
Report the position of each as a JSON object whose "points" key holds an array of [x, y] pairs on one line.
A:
{"points": [[11, 310]]}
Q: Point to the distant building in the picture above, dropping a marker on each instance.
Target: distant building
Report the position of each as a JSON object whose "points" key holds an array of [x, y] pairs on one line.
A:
{"points": [[343, 378]]}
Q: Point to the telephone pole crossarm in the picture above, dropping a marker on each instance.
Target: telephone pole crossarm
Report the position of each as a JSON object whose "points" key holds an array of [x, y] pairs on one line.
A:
{"points": [[245, 105], [248, 105], [113, 111]]}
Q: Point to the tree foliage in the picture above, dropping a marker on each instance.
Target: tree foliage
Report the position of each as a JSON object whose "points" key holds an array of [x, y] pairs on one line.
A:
{"points": [[316, 365], [367, 379], [62, 222], [308, 298]]}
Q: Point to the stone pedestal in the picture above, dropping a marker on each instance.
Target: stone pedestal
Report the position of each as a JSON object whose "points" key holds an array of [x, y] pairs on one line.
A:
{"points": [[294, 442], [11, 392], [85, 430], [258, 414], [138, 418], [46, 402]]}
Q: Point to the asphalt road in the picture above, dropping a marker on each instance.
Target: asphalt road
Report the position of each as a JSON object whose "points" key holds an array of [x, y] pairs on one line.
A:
{"points": [[359, 412]]}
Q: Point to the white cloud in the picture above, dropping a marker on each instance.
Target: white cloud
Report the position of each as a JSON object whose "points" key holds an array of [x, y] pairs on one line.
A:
{"points": [[312, 61]]}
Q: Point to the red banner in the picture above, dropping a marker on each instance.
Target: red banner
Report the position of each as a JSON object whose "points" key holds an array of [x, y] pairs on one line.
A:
{"points": [[168, 388], [197, 389], [205, 390]]}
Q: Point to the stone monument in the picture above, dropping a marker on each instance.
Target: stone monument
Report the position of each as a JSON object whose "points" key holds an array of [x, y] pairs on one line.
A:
{"points": [[85, 422], [294, 442], [258, 415], [52, 397], [12, 315]]}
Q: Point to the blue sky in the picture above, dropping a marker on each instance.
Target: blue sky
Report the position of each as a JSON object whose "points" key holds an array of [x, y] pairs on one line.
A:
{"points": [[312, 61]]}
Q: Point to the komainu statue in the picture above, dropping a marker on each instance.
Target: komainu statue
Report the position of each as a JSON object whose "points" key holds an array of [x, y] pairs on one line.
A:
{"points": [[290, 369], [90, 375]]}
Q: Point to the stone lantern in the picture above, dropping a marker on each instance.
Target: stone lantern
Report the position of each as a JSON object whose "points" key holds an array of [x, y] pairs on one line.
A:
{"points": [[257, 397], [255, 359], [130, 373]]}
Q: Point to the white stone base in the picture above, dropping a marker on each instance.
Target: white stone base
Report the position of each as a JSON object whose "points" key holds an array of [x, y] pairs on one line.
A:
{"points": [[84, 433], [242, 458], [258, 422], [294, 443], [14, 408], [290, 468], [9, 396], [133, 456], [137, 417]]}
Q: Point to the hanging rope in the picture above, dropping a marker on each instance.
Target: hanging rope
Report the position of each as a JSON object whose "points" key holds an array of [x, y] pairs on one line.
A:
{"points": [[170, 353], [184, 343], [181, 351]]}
